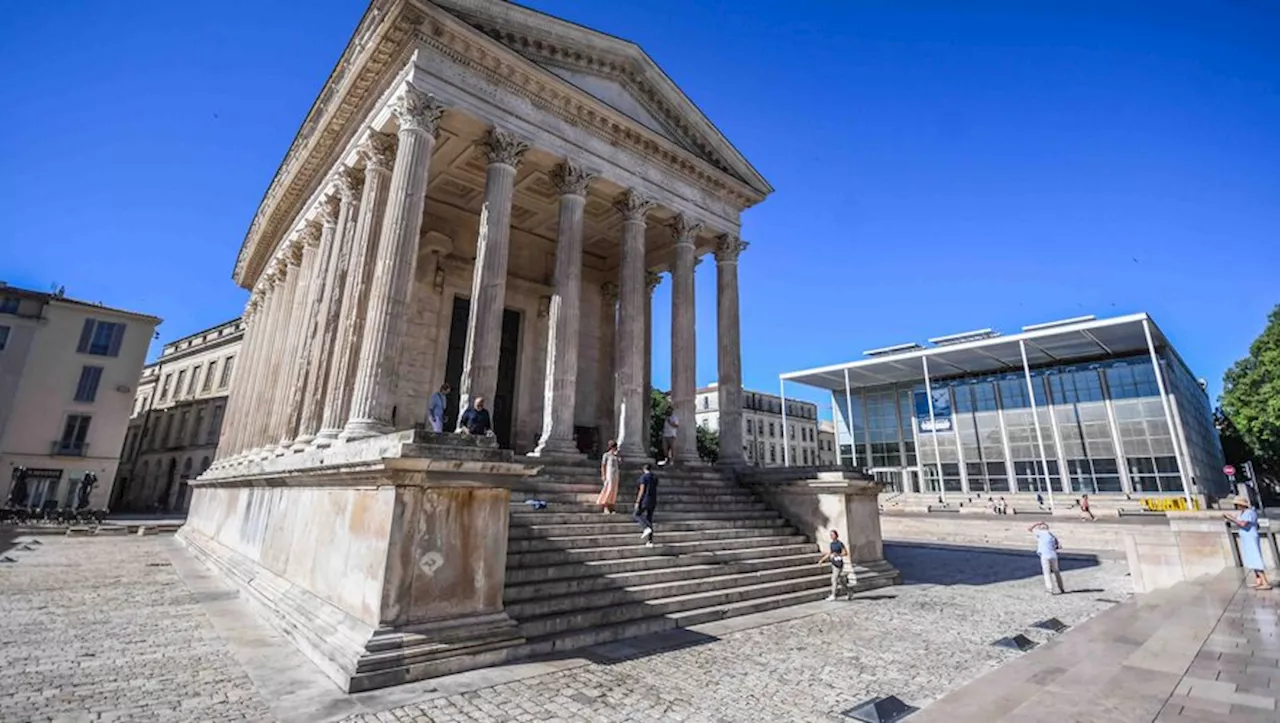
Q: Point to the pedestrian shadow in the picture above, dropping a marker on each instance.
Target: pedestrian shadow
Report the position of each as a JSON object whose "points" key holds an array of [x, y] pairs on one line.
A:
{"points": [[927, 564]]}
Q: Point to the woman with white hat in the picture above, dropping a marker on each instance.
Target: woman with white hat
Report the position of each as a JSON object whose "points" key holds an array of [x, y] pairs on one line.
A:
{"points": [[1250, 544]]}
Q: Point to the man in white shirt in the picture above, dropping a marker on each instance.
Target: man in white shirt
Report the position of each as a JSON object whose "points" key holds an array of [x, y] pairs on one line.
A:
{"points": [[670, 429]]}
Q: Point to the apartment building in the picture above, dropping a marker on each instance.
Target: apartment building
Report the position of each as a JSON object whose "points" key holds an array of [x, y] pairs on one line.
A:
{"points": [[177, 419], [68, 370], [764, 431]]}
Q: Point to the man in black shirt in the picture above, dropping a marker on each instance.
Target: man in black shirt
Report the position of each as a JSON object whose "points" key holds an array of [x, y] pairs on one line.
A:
{"points": [[646, 502], [475, 421], [836, 556]]}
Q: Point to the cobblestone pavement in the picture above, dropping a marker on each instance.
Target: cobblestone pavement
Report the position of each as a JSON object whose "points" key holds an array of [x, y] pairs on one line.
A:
{"points": [[103, 629], [916, 642]]}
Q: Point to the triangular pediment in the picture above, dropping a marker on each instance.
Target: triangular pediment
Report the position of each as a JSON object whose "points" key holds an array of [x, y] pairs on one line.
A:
{"points": [[616, 72]]}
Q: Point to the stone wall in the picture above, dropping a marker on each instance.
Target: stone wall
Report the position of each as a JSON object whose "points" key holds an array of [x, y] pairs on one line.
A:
{"points": [[1011, 531]]}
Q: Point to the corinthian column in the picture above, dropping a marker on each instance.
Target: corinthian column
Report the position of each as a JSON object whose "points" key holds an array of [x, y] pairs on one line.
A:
{"points": [[373, 398], [684, 340], [489, 279], [297, 436], [235, 400], [300, 268], [730, 350], [378, 153], [268, 397], [561, 392], [631, 303], [329, 309], [250, 368]]}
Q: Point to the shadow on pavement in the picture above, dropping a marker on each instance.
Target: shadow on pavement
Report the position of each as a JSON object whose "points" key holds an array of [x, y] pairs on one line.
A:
{"points": [[644, 646], [958, 565]]}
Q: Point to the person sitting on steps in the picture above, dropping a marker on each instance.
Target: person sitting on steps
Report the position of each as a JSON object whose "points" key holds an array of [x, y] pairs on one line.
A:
{"points": [[475, 421]]}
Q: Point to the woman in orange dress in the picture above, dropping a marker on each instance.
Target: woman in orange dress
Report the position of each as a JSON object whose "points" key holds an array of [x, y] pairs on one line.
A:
{"points": [[610, 472]]}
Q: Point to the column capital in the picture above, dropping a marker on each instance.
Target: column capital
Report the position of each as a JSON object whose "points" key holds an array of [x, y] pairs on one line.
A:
{"points": [[350, 183], [651, 280], [308, 237], [378, 151], [684, 229], [415, 110], [571, 179], [609, 290], [329, 209], [503, 147], [633, 205], [728, 248]]}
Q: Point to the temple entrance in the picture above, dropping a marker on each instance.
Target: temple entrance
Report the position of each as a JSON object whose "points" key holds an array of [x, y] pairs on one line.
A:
{"points": [[502, 405]]}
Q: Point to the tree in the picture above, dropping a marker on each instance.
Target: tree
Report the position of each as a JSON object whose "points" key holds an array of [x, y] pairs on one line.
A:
{"points": [[660, 408], [708, 445], [1251, 395]]}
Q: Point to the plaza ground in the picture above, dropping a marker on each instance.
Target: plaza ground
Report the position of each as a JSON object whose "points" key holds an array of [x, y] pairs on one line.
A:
{"points": [[131, 628]]}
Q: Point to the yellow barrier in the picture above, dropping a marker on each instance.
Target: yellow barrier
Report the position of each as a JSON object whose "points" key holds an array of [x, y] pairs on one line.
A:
{"points": [[1169, 504]]}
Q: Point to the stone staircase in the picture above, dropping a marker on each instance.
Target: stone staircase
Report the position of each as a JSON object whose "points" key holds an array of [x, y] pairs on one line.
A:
{"points": [[577, 577]]}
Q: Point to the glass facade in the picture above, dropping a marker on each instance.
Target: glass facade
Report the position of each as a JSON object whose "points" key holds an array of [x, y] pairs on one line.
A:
{"points": [[1096, 428]]}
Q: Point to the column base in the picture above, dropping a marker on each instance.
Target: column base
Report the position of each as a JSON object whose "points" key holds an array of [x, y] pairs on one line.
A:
{"points": [[363, 429], [301, 444], [559, 448], [326, 438]]}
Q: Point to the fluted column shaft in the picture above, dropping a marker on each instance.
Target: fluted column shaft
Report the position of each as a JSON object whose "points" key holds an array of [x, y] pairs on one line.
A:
{"points": [[651, 281], [273, 398], [630, 339], [373, 396], [285, 416], [684, 339], [378, 153], [329, 310], [730, 350], [489, 279], [235, 399], [605, 387], [250, 370], [560, 394]]}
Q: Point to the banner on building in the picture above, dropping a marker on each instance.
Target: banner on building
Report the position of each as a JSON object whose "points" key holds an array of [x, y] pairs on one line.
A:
{"points": [[941, 421]]}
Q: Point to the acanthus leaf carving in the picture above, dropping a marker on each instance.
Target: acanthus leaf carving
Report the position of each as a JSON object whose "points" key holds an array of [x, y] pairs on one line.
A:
{"points": [[571, 179], [379, 150], [504, 147], [350, 182], [415, 110], [633, 205], [684, 229], [728, 248]]}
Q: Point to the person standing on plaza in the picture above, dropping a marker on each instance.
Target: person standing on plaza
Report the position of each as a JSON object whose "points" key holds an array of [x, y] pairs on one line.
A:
{"points": [[436, 407], [670, 429], [1250, 541], [610, 471], [835, 555], [476, 421], [646, 503], [1047, 549]]}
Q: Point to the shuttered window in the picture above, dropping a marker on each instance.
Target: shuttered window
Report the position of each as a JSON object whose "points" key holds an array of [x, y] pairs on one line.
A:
{"points": [[101, 338], [87, 388]]}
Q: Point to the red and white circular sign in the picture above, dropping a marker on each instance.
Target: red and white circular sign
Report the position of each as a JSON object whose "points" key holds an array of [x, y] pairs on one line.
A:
{"points": [[1229, 471]]}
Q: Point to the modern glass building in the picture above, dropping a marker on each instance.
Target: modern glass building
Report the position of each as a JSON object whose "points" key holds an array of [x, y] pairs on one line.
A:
{"points": [[1081, 405]]}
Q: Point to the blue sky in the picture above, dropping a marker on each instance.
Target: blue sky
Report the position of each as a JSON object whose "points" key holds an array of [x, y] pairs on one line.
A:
{"points": [[939, 166]]}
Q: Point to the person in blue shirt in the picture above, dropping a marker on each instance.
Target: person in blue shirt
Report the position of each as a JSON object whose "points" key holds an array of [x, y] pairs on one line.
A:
{"points": [[1250, 542], [436, 408], [1047, 549], [646, 503], [836, 556]]}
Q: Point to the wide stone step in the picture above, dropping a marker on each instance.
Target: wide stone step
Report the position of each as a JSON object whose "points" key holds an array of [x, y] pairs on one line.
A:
{"points": [[625, 525], [560, 623], [560, 515], [628, 496], [560, 557], [579, 601], [567, 566], [632, 537], [665, 507], [546, 589]]}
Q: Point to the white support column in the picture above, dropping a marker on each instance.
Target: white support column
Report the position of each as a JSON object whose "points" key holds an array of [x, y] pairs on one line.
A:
{"points": [[933, 427], [1183, 472], [1035, 419], [1122, 465], [1010, 478], [684, 338], [955, 435], [848, 418], [632, 398], [786, 440], [729, 351]]}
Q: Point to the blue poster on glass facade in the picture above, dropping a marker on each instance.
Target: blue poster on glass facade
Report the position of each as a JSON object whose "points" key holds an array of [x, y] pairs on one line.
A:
{"points": [[941, 421]]}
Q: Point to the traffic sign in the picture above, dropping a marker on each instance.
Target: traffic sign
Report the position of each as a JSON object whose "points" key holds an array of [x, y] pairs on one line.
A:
{"points": [[1229, 471]]}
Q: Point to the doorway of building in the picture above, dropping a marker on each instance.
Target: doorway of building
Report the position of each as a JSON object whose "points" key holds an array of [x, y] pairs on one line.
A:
{"points": [[502, 405]]}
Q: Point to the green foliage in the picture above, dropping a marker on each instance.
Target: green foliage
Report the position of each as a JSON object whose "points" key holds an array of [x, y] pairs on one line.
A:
{"points": [[708, 445], [660, 409], [1251, 397]]}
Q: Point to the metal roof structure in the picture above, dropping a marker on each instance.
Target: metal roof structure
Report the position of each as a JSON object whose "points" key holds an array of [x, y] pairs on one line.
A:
{"points": [[1071, 340]]}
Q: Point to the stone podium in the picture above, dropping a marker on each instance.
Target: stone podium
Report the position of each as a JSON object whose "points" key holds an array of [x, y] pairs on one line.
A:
{"points": [[382, 559], [819, 502]]}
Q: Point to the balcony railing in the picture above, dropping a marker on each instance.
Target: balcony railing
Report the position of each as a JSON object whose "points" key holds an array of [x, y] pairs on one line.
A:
{"points": [[63, 448]]}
